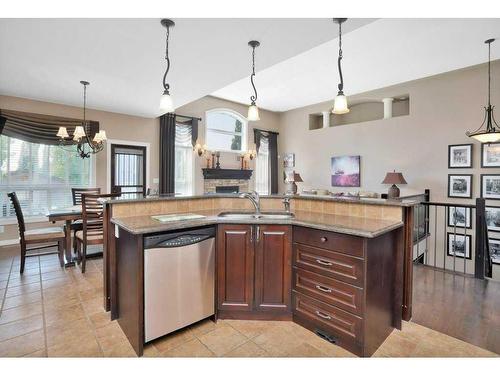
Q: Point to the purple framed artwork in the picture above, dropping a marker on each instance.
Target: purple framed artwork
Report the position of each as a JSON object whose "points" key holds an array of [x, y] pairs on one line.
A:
{"points": [[345, 171]]}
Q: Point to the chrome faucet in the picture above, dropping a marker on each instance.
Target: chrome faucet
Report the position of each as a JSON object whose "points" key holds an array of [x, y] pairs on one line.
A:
{"points": [[286, 203], [254, 198]]}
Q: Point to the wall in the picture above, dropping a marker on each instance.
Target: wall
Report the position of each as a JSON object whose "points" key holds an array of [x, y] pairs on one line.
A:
{"points": [[268, 120], [442, 109]]}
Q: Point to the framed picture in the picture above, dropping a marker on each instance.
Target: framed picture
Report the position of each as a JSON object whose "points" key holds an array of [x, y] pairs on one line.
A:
{"points": [[459, 245], [493, 218], [490, 186], [459, 216], [490, 155], [460, 185], [494, 250], [345, 171], [289, 160], [460, 156]]}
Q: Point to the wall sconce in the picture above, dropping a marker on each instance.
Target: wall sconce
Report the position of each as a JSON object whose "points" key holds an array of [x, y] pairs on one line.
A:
{"points": [[251, 154], [200, 149]]}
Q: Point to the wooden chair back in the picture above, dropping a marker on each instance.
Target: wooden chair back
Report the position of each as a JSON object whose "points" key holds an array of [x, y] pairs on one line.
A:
{"points": [[19, 213], [77, 193], [92, 213]]}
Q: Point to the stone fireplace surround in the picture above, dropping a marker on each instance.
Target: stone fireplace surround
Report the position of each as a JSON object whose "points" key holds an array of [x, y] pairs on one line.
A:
{"points": [[209, 186]]}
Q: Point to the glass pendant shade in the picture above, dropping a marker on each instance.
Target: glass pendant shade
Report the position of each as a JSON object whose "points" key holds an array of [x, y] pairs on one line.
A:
{"points": [[100, 136], [79, 133], [487, 137], [253, 113], [166, 103], [62, 132], [103, 135], [340, 105]]}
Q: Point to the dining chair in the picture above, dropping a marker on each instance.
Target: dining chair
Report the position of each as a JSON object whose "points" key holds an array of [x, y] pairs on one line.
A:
{"points": [[76, 193], [92, 232], [37, 236]]}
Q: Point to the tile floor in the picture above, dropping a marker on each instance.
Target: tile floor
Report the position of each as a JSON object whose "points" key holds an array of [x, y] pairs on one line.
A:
{"points": [[52, 312]]}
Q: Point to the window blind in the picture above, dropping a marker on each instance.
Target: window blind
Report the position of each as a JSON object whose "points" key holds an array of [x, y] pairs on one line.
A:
{"points": [[183, 160], [262, 166]]}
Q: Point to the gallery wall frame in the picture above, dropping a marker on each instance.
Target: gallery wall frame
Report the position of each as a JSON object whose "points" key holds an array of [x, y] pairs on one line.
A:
{"points": [[463, 219], [490, 186], [460, 185], [459, 238], [493, 218], [460, 156], [490, 155]]}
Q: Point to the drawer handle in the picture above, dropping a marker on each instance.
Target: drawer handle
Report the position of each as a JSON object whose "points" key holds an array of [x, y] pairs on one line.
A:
{"points": [[324, 263], [324, 316], [323, 239], [323, 289]]}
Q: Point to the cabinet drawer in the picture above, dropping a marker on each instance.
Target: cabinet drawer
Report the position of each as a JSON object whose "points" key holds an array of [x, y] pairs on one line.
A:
{"points": [[336, 322], [341, 243], [331, 291], [328, 263]]}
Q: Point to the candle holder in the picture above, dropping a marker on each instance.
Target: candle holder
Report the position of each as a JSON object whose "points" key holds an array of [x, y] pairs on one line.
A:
{"points": [[217, 164], [213, 159]]}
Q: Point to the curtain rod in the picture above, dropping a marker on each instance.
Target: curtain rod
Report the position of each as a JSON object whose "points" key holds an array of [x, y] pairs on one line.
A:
{"points": [[191, 117], [266, 131]]}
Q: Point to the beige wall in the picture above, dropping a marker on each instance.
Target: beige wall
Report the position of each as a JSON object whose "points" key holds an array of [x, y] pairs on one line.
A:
{"points": [[268, 120], [442, 109]]}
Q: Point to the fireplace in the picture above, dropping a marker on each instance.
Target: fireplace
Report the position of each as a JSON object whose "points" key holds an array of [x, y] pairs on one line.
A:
{"points": [[227, 189]]}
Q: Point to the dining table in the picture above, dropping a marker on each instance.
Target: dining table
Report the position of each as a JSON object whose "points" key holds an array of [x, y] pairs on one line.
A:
{"points": [[68, 215]]}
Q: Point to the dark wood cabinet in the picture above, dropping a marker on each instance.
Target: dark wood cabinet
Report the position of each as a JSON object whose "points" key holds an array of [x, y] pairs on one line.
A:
{"points": [[273, 268], [235, 268], [254, 269]]}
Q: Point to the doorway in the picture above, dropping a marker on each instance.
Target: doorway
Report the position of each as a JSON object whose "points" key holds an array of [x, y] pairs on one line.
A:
{"points": [[128, 169]]}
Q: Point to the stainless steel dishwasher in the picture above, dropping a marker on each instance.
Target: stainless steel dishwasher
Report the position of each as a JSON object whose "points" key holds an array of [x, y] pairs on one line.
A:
{"points": [[179, 280]]}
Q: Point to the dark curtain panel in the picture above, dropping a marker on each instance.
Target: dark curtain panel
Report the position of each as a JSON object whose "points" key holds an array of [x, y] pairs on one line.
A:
{"points": [[273, 154], [191, 121], [167, 154], [37, 128], [2, 123]]}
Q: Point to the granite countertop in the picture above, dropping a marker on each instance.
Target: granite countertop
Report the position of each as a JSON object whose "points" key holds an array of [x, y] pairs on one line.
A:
{"points": [[374, 201], [356, 226]]}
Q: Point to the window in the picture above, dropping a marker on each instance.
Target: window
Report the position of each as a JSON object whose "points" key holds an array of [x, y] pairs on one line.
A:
{"points": [[226, 130], [41, 175], [183, 160], [262, 167]]}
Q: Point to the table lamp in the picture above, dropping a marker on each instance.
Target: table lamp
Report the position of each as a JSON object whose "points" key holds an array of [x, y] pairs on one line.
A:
{"points": [[296, 178], [394, 178]]}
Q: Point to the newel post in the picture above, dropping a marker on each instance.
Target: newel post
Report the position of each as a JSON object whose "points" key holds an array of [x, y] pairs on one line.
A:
{"points": [[481, 239]]}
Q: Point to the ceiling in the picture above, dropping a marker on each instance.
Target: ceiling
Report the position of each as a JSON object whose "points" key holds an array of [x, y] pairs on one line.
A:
{"points": [[44, 59], [379, 54]]}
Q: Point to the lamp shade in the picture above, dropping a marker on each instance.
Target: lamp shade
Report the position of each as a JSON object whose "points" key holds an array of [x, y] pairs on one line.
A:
{"points": [[486, 137], [79, 133], [297, 178], [340, 105], [253, 113], [166, 103], [394, 178], [62, 132]]}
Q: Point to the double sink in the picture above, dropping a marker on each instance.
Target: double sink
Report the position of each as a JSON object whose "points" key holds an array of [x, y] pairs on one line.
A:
{"points": [[266, 215]]}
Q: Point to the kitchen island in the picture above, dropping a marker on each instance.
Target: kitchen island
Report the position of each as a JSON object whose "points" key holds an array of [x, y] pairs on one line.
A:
{"points": [[336, 267]]}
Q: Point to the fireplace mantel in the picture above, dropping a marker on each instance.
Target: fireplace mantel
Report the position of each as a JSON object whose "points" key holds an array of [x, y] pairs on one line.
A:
{"points": [[226, 174]]}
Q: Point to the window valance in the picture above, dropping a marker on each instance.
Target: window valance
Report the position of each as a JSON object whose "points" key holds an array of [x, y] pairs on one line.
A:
{"points": [[38, 128]]}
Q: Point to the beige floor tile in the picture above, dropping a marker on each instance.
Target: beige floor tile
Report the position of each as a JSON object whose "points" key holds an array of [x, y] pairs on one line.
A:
{"points": [[24, 280], [60, 283], [20, 312], [277, 341], [38, 354], [304, 350], [100, 319], [173, 340], [205, 326], [23, 289], [94, 305], [121, 349], [150, 351], [20, 327], [222, 340], [70, 333], [4, 276], [59, 297], [250, 328], [22, 345], [22, 299], [85, 346], [248, 349], [63, 316], [192, 348], [58, 274], [109, 336], [89, 294], [3, 284]]}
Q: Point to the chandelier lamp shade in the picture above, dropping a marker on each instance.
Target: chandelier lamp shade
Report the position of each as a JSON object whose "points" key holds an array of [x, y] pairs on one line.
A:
{"points": [[491, 132], [253, 110], [340, 104], [85, 145], [166, 101]]}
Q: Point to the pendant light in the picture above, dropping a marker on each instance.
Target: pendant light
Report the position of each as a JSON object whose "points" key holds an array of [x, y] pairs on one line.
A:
{"points": [[166, 102], [340, 103], [492, 131], [253, 110]]}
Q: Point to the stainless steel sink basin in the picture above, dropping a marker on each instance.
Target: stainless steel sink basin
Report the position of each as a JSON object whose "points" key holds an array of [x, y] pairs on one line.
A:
{"points": [[245, 215]]}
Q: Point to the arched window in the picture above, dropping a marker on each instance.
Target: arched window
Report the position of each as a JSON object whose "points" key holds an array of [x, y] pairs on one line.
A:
{"points": [[226, 130]]}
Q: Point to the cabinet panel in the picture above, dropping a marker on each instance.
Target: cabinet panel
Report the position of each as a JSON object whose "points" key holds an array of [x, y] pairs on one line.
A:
{"points": [[273, 268], [235, 268], [342, 243]]}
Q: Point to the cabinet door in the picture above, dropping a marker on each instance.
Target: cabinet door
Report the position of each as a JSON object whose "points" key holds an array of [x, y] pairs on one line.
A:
{"points": [[273, 268], [235, 268]]}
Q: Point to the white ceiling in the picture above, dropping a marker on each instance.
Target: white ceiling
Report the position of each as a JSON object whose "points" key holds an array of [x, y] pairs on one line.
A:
{"points": [[123, 59], [379, 54]]}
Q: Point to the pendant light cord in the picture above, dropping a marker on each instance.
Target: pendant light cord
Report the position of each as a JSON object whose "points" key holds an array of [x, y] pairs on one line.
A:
{"points": [[489, 74], [166, 86], [341, 84], [253, 98]]}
